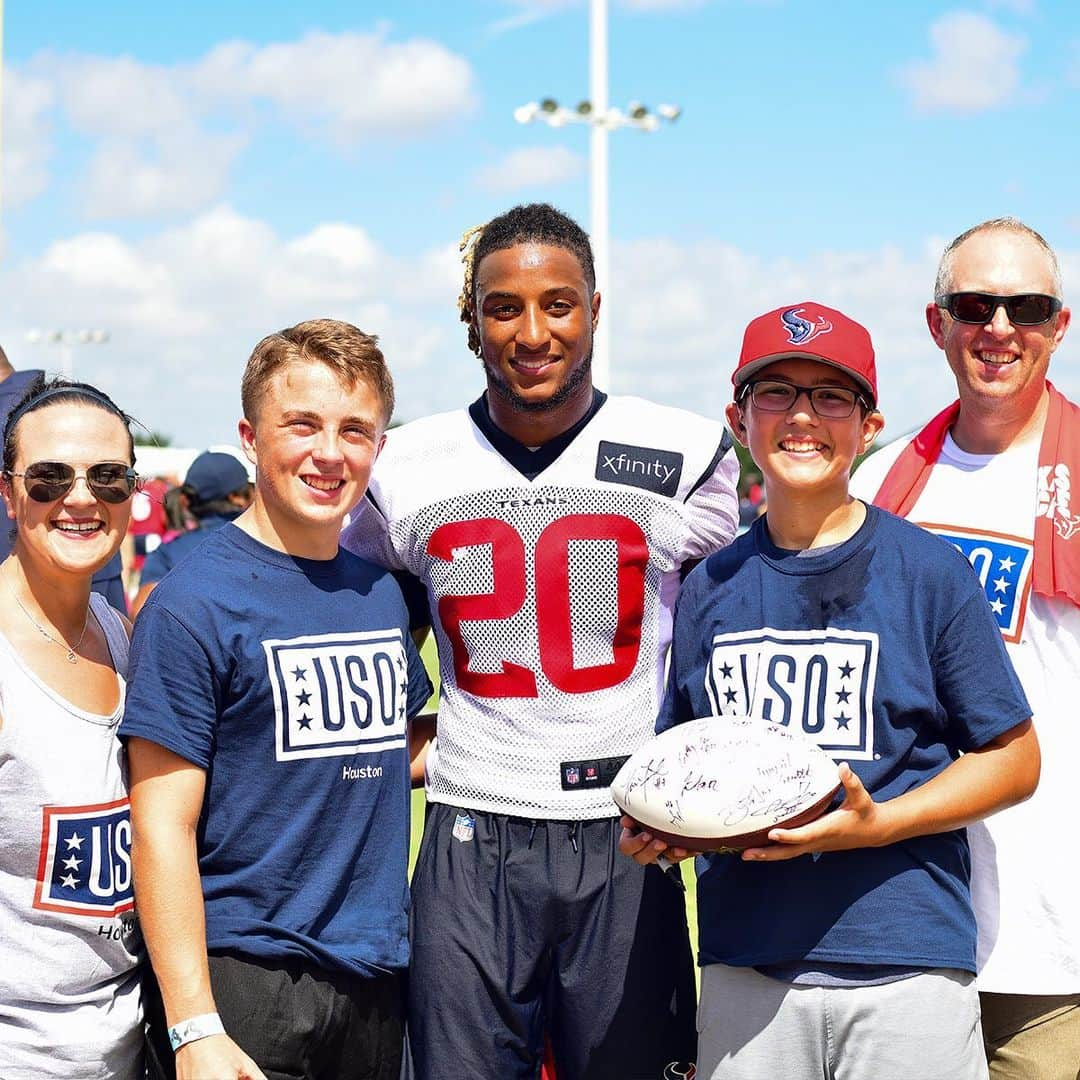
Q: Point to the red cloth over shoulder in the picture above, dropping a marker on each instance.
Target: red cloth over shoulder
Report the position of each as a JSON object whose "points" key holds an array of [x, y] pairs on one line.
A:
{"points": [[1057, 528]]}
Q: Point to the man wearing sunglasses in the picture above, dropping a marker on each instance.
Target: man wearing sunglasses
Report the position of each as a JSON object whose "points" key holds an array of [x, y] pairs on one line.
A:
{"points": [[13, 385], [992, 474]]}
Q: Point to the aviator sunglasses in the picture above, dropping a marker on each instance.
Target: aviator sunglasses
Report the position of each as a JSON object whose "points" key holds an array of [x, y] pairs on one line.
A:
{"points": [[1024, 309], [109, 481]]}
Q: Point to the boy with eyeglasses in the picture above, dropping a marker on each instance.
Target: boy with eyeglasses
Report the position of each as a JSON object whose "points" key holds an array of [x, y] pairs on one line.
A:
{"points": [[846, 946], [993, 475]]}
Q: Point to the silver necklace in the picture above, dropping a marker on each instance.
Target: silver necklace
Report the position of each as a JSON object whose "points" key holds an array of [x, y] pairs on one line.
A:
{"points": [[71, 657]]}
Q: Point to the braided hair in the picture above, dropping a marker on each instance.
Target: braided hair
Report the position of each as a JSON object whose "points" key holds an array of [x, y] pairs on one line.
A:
{"points": [[538, 223]]}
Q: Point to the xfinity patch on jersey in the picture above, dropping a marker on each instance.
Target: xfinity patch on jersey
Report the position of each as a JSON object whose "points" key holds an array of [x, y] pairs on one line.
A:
{"points": [[639, 466], [594, 773]]}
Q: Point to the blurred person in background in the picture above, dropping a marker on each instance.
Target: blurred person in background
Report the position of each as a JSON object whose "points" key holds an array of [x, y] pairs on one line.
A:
{"points": [[178, 515], [13, 385], [150, 526], [215, 491], [70, 947]]}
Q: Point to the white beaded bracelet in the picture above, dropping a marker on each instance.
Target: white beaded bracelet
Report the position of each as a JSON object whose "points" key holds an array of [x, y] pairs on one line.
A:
{"points": [[197, 1027]]}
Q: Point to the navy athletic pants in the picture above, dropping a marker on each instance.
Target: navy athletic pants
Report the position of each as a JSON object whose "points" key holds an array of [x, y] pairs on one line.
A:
{"points": [[521, 927]]}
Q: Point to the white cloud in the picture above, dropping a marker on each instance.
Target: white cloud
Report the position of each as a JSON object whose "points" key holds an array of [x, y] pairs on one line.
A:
{"points": [[337, 246], [531, 167], [175, 172], [166, 137], [186, 305], [974, 65], [118, 97], [679, 313], [531, 11], [27, 103], [344, 86]]}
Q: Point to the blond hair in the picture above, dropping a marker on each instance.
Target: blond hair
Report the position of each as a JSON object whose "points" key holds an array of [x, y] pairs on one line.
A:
{"points": [[350, 353]]}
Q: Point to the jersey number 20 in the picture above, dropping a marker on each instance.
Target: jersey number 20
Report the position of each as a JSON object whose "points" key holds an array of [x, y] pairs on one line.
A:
{"points": [[551, 559]]}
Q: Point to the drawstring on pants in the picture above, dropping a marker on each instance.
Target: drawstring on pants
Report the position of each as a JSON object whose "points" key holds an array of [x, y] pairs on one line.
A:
{"points": [[572, 828]]}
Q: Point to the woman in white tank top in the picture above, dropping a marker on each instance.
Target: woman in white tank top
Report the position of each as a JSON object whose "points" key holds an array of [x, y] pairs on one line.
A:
{"points": [[70, 948]]}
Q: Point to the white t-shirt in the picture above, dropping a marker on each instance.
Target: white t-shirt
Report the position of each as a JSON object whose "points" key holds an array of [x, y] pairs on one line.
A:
{"points": [[1025, 870]]}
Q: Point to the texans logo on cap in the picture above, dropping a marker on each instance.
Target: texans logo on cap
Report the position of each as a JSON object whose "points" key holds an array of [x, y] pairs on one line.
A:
{"points": [[800, 330], [793, 330]]}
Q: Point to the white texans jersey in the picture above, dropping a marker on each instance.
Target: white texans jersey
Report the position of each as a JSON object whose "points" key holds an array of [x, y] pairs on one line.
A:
{"points": [[551, 577]]}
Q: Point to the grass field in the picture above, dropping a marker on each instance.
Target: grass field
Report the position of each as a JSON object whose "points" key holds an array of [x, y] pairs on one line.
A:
{"points": [[428, 654]]}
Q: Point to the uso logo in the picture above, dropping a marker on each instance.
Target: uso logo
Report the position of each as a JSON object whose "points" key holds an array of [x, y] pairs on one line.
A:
{"points": [[1003, 563], [85, 863], [819, 682], [338, 694]]}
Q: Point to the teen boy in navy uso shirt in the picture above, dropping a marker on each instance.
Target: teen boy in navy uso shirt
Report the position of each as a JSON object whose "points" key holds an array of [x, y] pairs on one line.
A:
{"points": [[273, 681], [848, 945]]}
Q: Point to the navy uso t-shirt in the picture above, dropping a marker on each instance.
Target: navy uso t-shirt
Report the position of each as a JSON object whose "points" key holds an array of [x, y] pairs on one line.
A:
{"points": [[884, 652], [291, 682]]}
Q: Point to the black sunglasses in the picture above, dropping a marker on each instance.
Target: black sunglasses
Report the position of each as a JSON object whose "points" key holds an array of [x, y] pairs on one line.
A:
{"points": [[1024, 309], [109, 481], [829, 402]]}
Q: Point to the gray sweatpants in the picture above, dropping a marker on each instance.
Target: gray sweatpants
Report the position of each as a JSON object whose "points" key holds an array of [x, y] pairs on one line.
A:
{"points": [[751, 1026]]}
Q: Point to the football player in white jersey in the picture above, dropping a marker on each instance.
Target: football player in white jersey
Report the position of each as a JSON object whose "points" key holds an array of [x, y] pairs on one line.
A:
{"points": [[548, 525]]}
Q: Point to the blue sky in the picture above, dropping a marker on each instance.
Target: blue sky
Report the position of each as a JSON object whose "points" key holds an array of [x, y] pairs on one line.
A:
{"points": [[193, 179]]}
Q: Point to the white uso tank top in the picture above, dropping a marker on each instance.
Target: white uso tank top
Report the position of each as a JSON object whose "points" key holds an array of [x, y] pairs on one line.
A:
{"points": [[70, 946]]}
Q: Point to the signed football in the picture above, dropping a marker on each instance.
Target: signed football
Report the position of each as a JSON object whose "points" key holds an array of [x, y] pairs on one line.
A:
{"points": [[721, 783]]}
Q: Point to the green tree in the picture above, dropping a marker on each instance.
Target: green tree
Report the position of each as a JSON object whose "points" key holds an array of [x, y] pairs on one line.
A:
{"points": [[152, 438], [749, 473]]}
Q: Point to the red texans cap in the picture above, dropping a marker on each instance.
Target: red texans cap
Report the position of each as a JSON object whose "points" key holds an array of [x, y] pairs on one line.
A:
{"points": [[812, 331]]}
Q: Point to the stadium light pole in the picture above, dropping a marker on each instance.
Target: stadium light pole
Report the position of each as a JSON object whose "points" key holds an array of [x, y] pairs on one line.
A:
{"points": [[1, 106], [66, 341], [601, 119], [598, 183]]}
